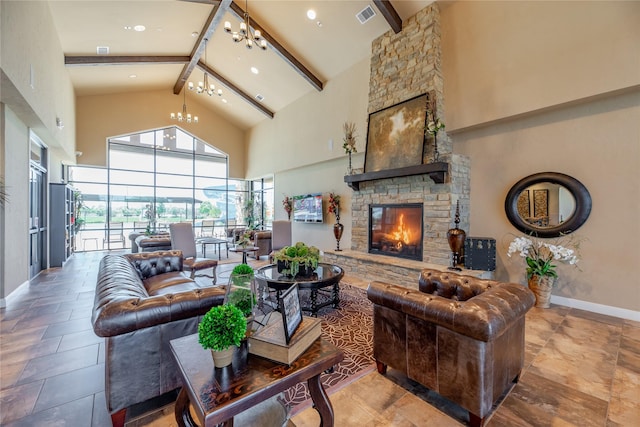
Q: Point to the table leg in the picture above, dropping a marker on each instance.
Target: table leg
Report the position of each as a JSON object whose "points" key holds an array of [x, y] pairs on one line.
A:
{"points": [[181, 410], [244, 257], [336, 295], [314, 302], [321, 401]]}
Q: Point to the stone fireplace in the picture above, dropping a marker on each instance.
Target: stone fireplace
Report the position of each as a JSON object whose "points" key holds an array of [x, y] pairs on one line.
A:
{"points": [[403, 66]]}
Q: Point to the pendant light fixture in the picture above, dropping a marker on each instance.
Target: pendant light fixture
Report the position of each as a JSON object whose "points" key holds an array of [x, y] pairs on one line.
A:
{"points": [[184, 116], [250, 38], [204, 86]]}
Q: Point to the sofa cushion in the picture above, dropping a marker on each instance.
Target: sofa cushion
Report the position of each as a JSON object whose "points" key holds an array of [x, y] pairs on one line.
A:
{"points": [[169, 283]]}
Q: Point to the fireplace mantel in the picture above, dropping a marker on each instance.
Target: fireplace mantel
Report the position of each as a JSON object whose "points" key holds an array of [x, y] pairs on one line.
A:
{"points": [[436, 171]]}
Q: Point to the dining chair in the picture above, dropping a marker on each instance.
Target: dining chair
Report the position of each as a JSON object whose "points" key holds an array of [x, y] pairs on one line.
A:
{"points": [[184, 239]]}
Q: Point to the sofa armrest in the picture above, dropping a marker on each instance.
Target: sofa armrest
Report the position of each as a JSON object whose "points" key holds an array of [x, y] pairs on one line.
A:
{"points": [[123, 305], [483, 317]]}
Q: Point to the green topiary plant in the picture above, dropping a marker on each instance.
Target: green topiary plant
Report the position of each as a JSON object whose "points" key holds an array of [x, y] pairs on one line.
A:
{"points": [[240, 293], [221, 327]]}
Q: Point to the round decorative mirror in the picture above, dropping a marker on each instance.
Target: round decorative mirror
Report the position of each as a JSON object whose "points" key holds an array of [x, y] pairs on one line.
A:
{"points": [[548, 204]]}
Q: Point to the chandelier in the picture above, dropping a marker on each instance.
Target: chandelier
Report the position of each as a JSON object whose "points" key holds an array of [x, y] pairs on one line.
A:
{"points": [[245, 33], [184, 116], [204, 86]]}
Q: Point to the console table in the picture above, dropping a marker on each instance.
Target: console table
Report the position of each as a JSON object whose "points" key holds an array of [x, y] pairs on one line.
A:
{"points": [[218, 394]]}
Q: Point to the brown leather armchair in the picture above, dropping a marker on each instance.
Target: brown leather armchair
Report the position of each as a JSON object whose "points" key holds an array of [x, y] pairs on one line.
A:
{"points": [[459, 336], [262, 240]]}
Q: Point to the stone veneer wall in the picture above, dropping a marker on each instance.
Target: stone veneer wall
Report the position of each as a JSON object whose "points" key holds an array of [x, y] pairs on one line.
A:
{"points": [[403, 66], [408, 64]]}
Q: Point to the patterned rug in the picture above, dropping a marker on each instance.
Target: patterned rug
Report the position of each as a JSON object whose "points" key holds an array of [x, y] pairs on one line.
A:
{"points": [[351, 329]]}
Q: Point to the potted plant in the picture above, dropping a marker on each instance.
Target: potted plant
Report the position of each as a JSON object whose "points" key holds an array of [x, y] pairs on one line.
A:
{"points": [[539, 257], [298, 259], [221, 330]]}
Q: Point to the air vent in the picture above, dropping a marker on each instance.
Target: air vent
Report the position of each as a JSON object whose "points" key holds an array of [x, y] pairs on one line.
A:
{"points": [[365, 14], [102, 50], [259, 97]]}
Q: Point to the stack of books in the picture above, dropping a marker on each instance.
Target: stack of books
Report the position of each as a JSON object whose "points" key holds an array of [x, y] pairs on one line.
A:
{"points": [[269, 341]]}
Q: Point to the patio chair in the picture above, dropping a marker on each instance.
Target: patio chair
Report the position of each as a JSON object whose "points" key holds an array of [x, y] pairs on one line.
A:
{"points": [[140, 225], [207, 228], [114, 233], [183, 239]]}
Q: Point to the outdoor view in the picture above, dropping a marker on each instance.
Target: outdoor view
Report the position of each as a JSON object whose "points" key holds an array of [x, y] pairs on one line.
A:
{"points": [[158, 177]]}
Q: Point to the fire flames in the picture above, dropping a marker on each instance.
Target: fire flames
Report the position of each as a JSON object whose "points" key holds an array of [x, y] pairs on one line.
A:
{"points": [[402, 233]]}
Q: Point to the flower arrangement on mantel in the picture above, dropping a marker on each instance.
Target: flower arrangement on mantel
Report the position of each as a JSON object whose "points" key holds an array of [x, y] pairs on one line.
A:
{"points": [[539, 256], [349, 144], [334, 205], [287, 204]]}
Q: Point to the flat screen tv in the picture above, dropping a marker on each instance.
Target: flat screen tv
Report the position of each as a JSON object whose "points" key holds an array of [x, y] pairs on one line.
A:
{"points": [[307, 208]]}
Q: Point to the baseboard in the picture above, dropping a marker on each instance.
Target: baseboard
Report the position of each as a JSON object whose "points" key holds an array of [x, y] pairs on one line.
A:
{"points": [[597, 308], [16, 291]]}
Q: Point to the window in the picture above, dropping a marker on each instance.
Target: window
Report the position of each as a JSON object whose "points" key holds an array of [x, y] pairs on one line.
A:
{"points": [[162, 176]]}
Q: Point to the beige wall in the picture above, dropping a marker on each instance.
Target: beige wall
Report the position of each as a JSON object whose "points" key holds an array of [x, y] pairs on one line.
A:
{"points": [[30, 46], [508, 58], [547, 86], [16, 225], [102, 116], [295, 146]]}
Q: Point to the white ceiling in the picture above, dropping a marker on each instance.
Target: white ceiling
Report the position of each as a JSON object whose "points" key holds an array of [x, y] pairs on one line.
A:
{"points": [[326, 50]]}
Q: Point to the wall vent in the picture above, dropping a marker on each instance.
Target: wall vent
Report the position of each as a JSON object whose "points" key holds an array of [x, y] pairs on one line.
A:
{"points": [[365, 14], [102, 50]]}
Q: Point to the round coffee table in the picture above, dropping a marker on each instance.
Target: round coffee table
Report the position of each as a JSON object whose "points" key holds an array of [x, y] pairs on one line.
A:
{"points": [[326, 275]]}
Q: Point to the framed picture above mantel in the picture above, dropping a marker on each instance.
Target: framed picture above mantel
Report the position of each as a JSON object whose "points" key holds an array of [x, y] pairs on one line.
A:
{"points": [[395, 136]]}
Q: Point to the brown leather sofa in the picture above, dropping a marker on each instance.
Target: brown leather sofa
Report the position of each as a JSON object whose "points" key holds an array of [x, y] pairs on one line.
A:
{"points": [[459, 336], [142, 302]]}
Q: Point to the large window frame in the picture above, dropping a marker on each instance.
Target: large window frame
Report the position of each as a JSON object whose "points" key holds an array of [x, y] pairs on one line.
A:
{"points": [[157, 177]]}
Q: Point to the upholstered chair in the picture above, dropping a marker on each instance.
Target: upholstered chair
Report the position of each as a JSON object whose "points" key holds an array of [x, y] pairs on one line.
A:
{"points": [[280, 236], [184, 239]]}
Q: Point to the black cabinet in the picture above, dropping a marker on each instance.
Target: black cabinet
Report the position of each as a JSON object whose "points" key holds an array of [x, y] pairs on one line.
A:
{"points": [[61, 223]]}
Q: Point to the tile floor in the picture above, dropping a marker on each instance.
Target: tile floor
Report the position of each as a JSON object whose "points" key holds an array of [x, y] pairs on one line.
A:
{"points": [[581, 368]]}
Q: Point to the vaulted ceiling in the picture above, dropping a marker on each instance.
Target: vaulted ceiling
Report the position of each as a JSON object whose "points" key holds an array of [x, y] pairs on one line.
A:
{"points": [[302, 53]]}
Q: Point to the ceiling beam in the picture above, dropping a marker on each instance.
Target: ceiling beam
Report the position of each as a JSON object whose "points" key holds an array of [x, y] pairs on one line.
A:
{"points": [[204, 67], [123, 60], [214, 19], [386, 8], [279, 49]]}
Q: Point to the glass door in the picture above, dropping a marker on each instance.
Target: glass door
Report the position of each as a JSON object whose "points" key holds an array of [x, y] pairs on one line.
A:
{"points": [[37, 207]]}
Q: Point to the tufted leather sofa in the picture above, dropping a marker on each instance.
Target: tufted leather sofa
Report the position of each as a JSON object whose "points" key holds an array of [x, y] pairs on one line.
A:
{"points": [[143, 301], [459, 336]]}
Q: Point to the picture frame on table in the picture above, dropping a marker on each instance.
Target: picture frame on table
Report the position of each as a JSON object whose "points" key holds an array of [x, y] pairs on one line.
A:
{"points": [[291, 311]]}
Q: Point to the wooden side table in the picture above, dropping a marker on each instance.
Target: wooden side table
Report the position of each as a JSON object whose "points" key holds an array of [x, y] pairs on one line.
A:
{"points": [[218, 394], [244, 251]]}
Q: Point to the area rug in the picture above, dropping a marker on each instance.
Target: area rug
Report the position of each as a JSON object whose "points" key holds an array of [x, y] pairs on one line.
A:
{"points": [[351, 329]]}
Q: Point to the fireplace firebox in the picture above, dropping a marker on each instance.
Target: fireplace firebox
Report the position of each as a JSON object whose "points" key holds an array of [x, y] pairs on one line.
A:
{"points": [[396, 230]]}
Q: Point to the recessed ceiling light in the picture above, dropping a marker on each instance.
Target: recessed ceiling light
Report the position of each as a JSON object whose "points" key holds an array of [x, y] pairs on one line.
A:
{"points": [[311, 14], [127, 27], [254, 70], [319, 24], [139, 28], [132, 76], [195, 34], [224, 100]]}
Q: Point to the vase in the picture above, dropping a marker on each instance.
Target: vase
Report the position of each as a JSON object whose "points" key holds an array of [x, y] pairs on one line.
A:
{"points": [[337, 232], [541, 287], [349, 169], [224, 357]]}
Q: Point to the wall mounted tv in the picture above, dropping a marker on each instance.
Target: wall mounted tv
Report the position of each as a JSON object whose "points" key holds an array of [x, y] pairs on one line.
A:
{"points": [[307, 208]]}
